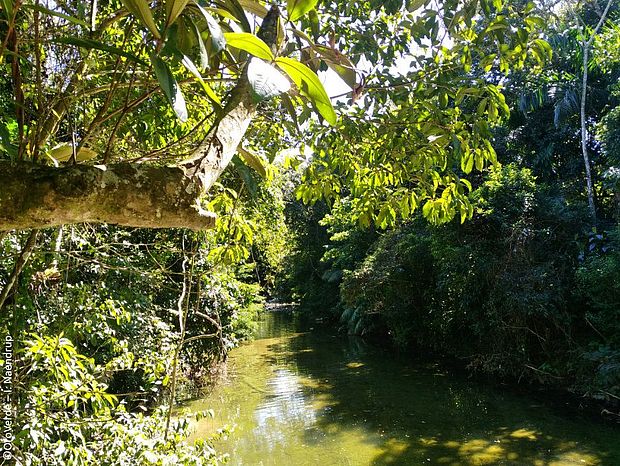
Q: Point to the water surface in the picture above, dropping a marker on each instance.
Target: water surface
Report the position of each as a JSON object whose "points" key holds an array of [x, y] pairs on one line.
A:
{"points": [[310, 398]]}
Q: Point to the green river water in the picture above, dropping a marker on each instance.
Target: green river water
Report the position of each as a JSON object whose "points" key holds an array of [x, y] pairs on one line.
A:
{"points": [[297, 398]]}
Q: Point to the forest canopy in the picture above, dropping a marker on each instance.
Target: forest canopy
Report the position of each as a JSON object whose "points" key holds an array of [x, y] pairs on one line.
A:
{"points": [[128, 87]]}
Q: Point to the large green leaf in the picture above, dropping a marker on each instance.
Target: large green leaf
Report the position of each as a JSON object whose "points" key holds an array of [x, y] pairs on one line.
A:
{"points": [[191, 67], [142, 11], [218, 41], [92, 44], [250, 43], [297, 8], [170, 87], [266, 80], [308, 83], [173, 9]]}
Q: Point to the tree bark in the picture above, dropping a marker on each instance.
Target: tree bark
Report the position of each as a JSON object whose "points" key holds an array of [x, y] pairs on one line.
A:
{"points": [[134, 195], [37, 196], [584, 135]]}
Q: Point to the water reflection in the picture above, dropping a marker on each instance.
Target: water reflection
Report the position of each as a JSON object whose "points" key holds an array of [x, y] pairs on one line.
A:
{"points": [[285, 405], [317, 399]]}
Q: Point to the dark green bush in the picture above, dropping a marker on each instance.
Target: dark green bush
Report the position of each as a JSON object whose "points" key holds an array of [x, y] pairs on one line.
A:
{"points": [[598, 280], [499, 292]]}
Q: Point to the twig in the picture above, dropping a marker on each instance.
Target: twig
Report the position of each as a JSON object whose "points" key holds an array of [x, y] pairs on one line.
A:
{"points": [[19, 266], [183, 309]]}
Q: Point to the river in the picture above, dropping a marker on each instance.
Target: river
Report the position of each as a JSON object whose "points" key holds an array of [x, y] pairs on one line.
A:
{"points": [[297, 398]]}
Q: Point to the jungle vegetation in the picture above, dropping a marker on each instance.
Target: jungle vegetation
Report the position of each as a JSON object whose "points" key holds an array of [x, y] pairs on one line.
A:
{"points": [[167, 166]]}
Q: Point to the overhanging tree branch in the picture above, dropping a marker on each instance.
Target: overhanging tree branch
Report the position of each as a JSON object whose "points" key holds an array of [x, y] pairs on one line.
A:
{"points": [[37, 196], [135, 195]]}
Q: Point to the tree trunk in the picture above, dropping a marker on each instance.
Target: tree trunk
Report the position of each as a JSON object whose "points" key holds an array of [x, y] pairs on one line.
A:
{"points": [[584, 134], [585, 44]]}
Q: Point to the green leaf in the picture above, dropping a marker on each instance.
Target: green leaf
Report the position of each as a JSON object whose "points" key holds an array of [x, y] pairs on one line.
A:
{"points": [[427, 209], [546, 52], [535, 22], [64, 151], [204, 54], [415, 4], [191, 67], [91, 44], [479, 161], [297, 8], [338, 62], [58, 14], [8, 7], [315, 26], [235, 8], [250, 43], [253, 161], [467, 163], [290, 108], [492, 111], [254, 8], [170, 87], [174, 8], [482, 107], [308, 83], [245, 173], [141, 10], [223, 13], [266, 81], [487, 62], [497, 25], [218, 41]]}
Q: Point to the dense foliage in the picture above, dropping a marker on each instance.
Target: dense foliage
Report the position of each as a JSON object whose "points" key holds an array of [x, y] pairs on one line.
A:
{"points": [[528, 287], [102, 319], [462, 198]]}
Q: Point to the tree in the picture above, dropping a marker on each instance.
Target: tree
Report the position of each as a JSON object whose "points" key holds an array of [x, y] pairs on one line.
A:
{"points": [[74, 57], [432, 124], [587, 38], [96, 67]]}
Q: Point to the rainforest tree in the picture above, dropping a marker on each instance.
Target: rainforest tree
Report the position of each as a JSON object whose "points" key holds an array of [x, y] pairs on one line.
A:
{"points": [[91, 84], [158, 99]]}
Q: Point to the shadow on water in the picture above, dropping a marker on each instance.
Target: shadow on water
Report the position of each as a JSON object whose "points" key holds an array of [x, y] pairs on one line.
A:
{"points": [[314, 398]]}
